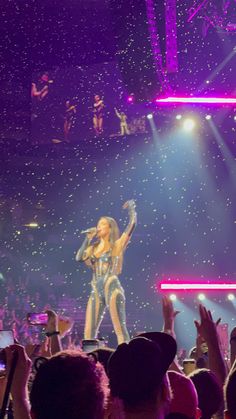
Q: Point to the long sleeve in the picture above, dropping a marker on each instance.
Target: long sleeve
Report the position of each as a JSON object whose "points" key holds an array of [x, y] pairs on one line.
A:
{"points": [[81, 255], [117, 113], [132, 218]]}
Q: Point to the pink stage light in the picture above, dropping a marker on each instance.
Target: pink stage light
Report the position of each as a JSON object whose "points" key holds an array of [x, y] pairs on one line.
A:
{"points": [[217, 100], [170, 286], [130, 98]]}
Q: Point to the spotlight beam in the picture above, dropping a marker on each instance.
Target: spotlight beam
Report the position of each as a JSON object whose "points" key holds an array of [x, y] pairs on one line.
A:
{"points": [[208, 100], [196, 286], [217, 71]]}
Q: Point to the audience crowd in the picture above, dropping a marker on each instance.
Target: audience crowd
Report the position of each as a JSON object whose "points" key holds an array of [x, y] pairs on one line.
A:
{"points": [[18, 300], [140, 379]]}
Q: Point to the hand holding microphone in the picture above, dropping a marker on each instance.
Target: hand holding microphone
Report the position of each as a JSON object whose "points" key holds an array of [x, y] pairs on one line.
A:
{"points": [[91, 232]]}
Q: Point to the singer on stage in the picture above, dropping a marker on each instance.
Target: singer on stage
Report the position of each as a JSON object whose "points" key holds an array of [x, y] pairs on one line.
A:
{"points": [[105, 257]]}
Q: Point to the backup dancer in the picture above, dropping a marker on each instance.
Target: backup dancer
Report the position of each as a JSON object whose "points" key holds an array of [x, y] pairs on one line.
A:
{"points": [[98, 111]]}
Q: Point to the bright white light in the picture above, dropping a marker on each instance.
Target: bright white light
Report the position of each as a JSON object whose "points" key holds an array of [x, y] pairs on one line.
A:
{"points": [[173, 297], [178, 117], [201, 297], [231, 297], [150, 116], [208, 117], [235, 117], [32, 224], [189, 124]]}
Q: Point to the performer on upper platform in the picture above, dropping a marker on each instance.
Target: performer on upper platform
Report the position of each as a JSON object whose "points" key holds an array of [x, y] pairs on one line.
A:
{"points": [[105, 257], [42, 109], [98, 112], [123, 122], [41, 89], [69, 119]]}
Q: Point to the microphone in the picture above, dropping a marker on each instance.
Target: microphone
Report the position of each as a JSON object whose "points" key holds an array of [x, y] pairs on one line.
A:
{"points": [[89, 230]]}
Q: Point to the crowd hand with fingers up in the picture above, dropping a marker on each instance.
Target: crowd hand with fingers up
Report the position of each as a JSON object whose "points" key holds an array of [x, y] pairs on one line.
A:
{"points": [[169, 315], [207, 330], [19, 388]]}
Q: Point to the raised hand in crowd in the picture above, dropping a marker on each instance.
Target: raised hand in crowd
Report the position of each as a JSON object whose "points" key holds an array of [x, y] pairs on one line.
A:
{"points": [[233, 347], [169, 315], [207, 330], [19, 390]]}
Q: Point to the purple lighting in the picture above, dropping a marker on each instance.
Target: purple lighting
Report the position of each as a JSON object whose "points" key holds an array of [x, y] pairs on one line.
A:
{"points": [[171, 37], [194, 10], [217, 100], [155, 44], [130, 99]]}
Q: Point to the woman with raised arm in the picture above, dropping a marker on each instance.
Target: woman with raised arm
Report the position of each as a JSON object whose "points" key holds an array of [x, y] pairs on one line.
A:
{"points": [[105, 257]]}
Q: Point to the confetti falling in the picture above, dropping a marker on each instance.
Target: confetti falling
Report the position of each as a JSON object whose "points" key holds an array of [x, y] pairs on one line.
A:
{"points": [[184, 185]]}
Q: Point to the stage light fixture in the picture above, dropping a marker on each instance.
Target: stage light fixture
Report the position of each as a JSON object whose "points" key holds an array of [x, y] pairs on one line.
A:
{"points": [[173, 297], [201, 297], [230, 297], [208, 117], [178, 117], [32, 224], [235, 118], [150, 116], [188, 124], [130, 98]]}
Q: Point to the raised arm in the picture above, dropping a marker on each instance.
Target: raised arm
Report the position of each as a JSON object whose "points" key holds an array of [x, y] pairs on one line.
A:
{"points": [[34, 91], [40, 94], [19, 387], [117, 113], [122, 242], [233, 347], [207, 329], [169, 314]]}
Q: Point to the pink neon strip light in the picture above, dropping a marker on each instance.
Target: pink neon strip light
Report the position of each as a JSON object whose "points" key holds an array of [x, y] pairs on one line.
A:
{"points": [[223, 100], [172, 286]]}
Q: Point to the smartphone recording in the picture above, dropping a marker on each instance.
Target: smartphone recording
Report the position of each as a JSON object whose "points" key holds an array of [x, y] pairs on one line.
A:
{"points": [[89, 345], [6, 338], [37, 319]]}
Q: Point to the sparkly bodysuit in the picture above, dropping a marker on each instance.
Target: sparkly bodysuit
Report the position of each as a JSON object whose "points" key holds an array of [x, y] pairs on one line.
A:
{"points": [[106, 289]]}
